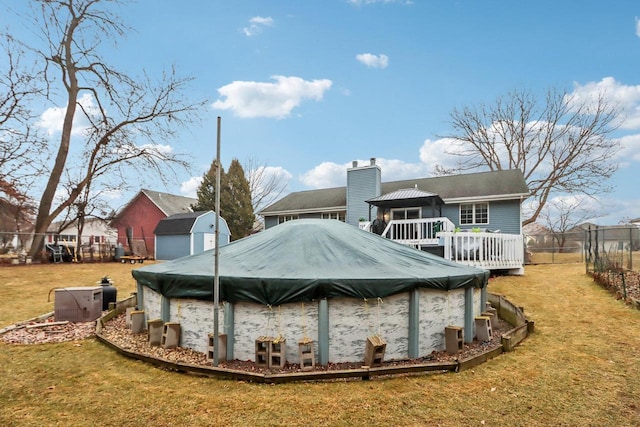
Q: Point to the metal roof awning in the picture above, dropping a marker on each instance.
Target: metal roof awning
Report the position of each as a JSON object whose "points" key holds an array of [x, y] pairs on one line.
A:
{"points": [[406, 198]]}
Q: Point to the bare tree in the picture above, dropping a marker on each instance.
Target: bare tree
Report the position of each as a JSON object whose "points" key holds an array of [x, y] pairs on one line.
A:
{"points": [[123, 117], [265, 183], [563, 214], [19, 144], [561, 145]]}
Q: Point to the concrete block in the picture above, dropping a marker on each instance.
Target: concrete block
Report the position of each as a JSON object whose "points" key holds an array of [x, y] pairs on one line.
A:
{"points": [[137, 321], [263, 349], [277, 353], [127, 316], [306, 355], [483, 328], [374, 351], [454, 339], [171, 335], [155, 328], [222, 347]]}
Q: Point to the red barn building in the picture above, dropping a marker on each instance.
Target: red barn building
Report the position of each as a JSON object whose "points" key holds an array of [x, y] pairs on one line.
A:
{"points": [[137, 219]]}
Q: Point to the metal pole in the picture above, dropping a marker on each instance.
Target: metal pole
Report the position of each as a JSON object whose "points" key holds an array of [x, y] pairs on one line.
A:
{"points": [[216, 276]]}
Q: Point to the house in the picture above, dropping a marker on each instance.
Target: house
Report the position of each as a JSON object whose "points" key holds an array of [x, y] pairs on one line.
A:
{"points": [[188, 234], [136, 221], [470, 218], [97, 239]]}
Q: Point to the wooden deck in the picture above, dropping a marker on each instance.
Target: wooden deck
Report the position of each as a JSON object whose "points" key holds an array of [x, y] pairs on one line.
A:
{"points": [[492, 251]]}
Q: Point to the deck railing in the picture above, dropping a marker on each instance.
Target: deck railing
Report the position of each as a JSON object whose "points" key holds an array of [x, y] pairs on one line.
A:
{"points": [[417, 232], [492, 251], [484, 250]]}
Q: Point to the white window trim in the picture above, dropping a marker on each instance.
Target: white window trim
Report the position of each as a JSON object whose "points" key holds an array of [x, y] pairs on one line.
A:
{"points": [[338, 215], [474, 222], [405, 210], [284, 218]]}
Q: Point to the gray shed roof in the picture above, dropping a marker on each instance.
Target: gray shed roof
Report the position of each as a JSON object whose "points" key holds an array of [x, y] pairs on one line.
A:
{"points": [[170, 204], [502, 184], [178, 223]]}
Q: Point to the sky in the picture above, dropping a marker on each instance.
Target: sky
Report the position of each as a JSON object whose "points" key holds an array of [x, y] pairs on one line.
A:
{"points": [[306, 87]]}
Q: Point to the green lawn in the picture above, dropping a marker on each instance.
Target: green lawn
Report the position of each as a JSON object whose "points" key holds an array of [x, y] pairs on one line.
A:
{"points": [[580, 368]]}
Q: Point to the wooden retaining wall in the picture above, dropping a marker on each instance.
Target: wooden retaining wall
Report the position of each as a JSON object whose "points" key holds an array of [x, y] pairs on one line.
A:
{"points": [[514, 315], [506, 310]]}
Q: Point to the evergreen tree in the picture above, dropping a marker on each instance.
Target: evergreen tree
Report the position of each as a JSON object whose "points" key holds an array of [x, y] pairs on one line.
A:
{"points": [[206, 192], [235, 198], [237, 209]]}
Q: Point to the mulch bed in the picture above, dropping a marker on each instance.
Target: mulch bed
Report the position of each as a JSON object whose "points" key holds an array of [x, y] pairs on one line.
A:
{"points": [[116, 331], [623, 285]]}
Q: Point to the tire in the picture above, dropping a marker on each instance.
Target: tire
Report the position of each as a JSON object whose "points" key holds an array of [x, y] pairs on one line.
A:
{"points": [[141, 261], [133, 261], [122, 260]]}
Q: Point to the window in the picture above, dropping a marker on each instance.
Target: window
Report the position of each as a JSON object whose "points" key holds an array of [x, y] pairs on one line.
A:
{"points": [[340, 216], [285, 218], [474, 213], [408, 213]]}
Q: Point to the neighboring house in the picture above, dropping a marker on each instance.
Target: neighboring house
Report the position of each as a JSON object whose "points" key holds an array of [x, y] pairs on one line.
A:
{"points": [[97, 238], [537, 235], [431, 214], [136, 221], [95, 231], [635, 222], [188, 234]]}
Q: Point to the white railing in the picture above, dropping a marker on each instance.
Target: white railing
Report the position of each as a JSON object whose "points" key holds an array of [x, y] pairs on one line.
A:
{"points": [[484, 250], [492, 251], [364, 225], [417, 232]]}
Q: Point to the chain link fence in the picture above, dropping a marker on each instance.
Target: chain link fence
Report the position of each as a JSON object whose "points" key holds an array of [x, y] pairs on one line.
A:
{"points": [[554, 248], [14, 247], [601, 248], [612, 248]]}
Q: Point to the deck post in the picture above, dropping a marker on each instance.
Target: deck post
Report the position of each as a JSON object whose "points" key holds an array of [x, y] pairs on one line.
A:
{"points": [[323, 331], [468, 315], [414, 323]]}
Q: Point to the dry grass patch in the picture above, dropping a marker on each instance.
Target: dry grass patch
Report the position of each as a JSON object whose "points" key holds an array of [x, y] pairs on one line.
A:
{"points": [[579, 368], [27, 287]]}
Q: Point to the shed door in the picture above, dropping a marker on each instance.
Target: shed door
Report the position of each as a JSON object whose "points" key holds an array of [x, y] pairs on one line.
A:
{"points": [[209, 241]]}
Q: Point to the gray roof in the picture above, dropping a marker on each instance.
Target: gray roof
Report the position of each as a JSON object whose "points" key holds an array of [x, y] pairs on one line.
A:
{"points": [[178, 223], [170, 204], [504, 184]]}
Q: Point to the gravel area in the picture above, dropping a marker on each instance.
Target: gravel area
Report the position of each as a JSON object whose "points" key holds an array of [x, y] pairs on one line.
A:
{"points": [[48, 331], [116, 331]]}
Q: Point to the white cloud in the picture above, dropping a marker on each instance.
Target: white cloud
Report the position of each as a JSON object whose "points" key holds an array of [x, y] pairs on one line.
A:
{"points": [[52, 118], [326, 175], [433, 153], [271, 173], [373, 61], [257, 24], [329, 174], [629, 150], [272, 100], [189, 188], [637, 27], [615, 211], [626, 98]]}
